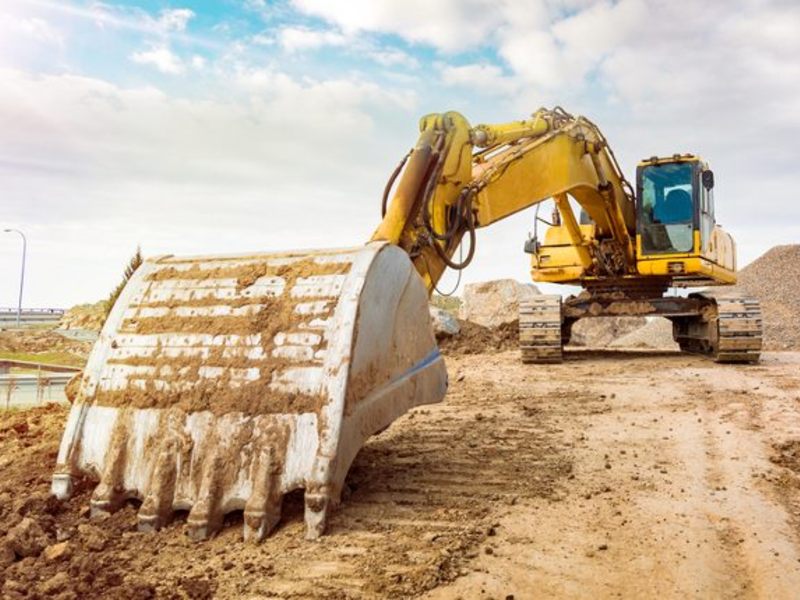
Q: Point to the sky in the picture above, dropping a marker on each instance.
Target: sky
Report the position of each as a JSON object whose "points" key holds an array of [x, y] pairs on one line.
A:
{"points": [[192, 127]]}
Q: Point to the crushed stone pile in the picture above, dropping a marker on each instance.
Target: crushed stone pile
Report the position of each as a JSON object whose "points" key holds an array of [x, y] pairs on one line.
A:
{"points": [[85, 316], [494, 303], [599, 332], [774, 278], [655, 334]]}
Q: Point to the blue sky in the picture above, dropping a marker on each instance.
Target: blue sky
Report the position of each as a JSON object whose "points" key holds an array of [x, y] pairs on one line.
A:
{"points": [[210, 127]]}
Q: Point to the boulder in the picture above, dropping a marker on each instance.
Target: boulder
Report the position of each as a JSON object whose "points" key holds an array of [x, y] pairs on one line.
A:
{"points": [[445, 324], [494, 303]]}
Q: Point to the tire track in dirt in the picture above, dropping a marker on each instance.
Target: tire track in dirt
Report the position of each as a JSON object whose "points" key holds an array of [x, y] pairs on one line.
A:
{"points": [[424, 496]]}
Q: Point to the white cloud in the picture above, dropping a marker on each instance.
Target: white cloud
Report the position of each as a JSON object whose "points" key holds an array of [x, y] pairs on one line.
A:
{"points": [[244, 166], [90, 169], [393, 58], [162, 58], [484, 78], [298, 39], [174, 19], [34, 28], [447, 24]]}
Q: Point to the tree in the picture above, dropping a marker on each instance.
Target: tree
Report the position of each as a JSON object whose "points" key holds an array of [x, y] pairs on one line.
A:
{"points": [[134, 263]]}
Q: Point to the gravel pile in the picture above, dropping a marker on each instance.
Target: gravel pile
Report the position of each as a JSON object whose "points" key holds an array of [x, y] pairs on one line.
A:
{"points": [[774, 278], [656, 334], [599, 332]]}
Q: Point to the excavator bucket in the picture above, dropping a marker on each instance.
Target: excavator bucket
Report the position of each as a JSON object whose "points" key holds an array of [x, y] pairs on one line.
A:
{"points": [[221, 383]]}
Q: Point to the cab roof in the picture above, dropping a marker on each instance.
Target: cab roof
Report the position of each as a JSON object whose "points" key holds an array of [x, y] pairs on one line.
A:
{"points": [[675, 158]]}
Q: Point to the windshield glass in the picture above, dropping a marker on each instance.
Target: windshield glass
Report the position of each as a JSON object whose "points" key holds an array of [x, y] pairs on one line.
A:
{"points": [[667, 210]]}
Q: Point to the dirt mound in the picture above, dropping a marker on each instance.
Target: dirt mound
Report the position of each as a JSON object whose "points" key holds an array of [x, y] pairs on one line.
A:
{"points": [[774, 278], [85, 316], [787, 454], [48, 548], [476, 339], [494, 303], [44, 346], [656, 334], [599, 332]]}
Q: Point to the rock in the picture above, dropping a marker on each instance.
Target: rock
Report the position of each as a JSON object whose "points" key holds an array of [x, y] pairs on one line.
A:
{"points": [[444, 323], [14, 589], [28, 538], [494, 303], [7, 554], [57, 551], [93, 537], [55, 584]]}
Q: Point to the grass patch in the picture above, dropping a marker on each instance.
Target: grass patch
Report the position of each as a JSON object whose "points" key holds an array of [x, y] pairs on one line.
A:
{"points": [[50, 358]]}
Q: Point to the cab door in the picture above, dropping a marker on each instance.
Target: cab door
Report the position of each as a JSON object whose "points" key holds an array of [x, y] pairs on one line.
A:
{"points": [[707, 221]]}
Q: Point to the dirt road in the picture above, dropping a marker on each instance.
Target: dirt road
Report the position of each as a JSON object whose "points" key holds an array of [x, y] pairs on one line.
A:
{"points": [[611, 475]]}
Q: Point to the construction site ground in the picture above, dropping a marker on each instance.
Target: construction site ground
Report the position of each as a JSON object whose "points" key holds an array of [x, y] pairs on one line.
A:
{"points": [[614, 474]]}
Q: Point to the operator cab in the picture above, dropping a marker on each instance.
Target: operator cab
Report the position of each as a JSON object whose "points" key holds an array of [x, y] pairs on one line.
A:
{"points": [[675, 207]]}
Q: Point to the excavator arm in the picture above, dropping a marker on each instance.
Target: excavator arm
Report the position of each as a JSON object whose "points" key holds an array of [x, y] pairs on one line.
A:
{"points": [[459, 178]]}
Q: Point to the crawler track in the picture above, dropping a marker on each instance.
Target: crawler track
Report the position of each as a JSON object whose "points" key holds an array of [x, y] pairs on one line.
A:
{"points": [[540, 330], [740, 331]]}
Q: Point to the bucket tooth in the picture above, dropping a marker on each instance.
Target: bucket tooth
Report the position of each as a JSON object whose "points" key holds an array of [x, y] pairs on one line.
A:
{"points": [[109, 494], [317, 504], [156, 510], [206, 518], [263, 509], [223, 383]]}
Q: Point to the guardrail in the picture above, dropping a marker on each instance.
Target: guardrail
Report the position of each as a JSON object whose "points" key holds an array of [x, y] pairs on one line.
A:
{"points": [[59, 311], [33, 383], [31, 315]]}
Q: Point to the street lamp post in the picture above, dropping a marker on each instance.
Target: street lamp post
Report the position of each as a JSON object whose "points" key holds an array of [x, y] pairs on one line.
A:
{"points": [[22, 274]]}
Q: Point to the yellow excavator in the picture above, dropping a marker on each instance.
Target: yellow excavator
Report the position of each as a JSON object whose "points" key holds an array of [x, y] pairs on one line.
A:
{"points": [[221, 383]]}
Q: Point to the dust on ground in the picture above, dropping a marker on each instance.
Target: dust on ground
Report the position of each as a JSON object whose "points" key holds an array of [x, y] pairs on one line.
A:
{"points": [[639, 474]]}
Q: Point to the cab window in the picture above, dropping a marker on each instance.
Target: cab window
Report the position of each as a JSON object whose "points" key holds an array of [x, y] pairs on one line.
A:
{"points": [[666, 208]]}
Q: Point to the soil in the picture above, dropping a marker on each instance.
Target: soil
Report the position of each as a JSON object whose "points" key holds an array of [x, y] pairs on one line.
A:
{"points": [[634, 474], [85, 316], [476, 339], [219, 395], [43, 344]]}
